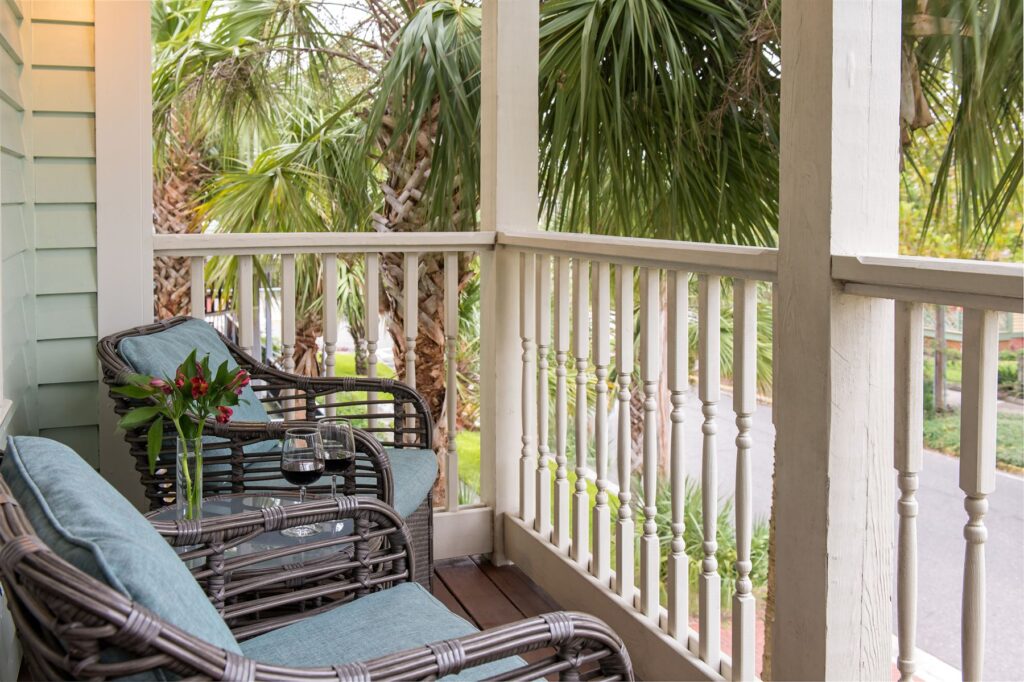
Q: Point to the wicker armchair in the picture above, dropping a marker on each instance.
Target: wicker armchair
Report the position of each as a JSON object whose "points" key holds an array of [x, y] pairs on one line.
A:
{"points": [[388, 414], [73, 626]]}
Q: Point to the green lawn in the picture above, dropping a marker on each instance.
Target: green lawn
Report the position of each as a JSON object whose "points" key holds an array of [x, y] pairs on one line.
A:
{"points": [[942, 432]]}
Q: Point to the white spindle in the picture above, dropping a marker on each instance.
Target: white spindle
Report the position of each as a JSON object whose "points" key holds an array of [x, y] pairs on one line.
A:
{"points": [[601, 563], [371, 301], [288, 312], [624, 541], [411, 308], [451, 388], [542, 517], [744, 402], [197, 291], [244, 304], [527, 320], [560, 532], [581, 343], [650, 366], [709, 373], [330, 262], [977, 474], [678, 380], [909, 385]]}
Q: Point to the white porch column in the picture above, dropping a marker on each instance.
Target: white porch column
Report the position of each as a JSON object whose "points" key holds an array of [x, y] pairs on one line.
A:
{"points": [[124, 200], [508, 203], [833, 381]]}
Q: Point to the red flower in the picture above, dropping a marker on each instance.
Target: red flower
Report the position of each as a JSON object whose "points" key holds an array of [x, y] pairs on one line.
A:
{"points": [[199, 387], [162, 385], [241, 379], [225, 414], [179, 380]]}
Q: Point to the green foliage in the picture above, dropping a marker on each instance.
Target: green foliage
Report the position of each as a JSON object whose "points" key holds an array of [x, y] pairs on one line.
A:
{"points": [[942, 432]]}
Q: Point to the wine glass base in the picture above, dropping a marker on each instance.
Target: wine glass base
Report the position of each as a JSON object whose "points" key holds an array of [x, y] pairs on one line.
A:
{"points": [[303, 531]]}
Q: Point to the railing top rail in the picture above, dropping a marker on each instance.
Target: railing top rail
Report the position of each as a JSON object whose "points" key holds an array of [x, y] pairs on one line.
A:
{"points": [[944, 281], [318, 242], [721, 259]]}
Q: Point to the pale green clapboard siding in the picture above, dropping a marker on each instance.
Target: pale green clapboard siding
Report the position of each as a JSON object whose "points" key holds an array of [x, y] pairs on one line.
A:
{"points": [[15, 235], [10, 39], [12, 175], [63, 226], [65, 181], [68, 405], [10, 71], [62, 44], [84, 440], [65, 271], [66, 316], [63, 10], [66, 360], [64, 90], [64, 135], [10, 129]]}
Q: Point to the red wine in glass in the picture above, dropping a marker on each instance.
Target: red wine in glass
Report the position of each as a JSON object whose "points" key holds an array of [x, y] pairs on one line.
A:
{"points": [[303, 472]]}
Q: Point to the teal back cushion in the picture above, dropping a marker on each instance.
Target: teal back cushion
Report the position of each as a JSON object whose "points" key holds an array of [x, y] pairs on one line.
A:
{"points": [[160, 355], [90, 525]]}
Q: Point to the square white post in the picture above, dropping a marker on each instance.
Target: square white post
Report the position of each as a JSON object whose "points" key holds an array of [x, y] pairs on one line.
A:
{"points": [[508, 202], [834, 363]]}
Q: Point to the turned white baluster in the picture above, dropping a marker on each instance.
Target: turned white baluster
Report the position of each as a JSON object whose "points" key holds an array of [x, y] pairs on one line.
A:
{"points": [[527, 319], [197, 290], [650, 366], [744, 402], [581, 343], [451, 388], [244, 304], [678, 382], [908, 422], [709, 373], [600, 565], [977, 474], [560, 532], [411, 310], [371, 301], [330, 320], [542, 517], [288, 312], [624, 540]]}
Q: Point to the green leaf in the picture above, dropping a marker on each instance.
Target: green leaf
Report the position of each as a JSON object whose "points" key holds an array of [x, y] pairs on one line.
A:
{"points": [[134, 391], [154, 441], [139, 415]]}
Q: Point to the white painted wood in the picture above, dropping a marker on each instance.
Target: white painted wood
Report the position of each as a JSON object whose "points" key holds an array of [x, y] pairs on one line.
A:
{"points": [[744, 402], [601, 566], [678, 586], [527, 321], [625, 542], [509, 66], [650, 368], [908, 424], [371, 299], [655, 655], [124, 192], [560, 532], [542, 484], [197, 289], [709, 364], [839, 195], [451, 387], [330, 263], [462, 533], [581, 351], [977, 474], [244, 304], [411, 310], [722, 259], [320, 242], [288, 312]]}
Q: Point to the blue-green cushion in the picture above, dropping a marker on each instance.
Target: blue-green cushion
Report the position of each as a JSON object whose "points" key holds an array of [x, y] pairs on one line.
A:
{"points": [[382, 623], [160, 355], [89, 524], [414, 473]]}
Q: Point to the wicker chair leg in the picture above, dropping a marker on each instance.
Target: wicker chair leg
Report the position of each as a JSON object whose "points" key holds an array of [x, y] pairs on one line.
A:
{"points": [[421, 528]]}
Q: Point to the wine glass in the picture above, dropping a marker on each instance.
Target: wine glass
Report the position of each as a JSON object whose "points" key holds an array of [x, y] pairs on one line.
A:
{"points": [[339, 447], [302, 463]]}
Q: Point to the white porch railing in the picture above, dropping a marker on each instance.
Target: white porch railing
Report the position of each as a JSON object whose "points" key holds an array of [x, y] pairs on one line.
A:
{"points": [[576, 293]]}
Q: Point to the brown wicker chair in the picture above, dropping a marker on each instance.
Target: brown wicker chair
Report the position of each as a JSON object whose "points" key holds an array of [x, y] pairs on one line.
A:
{"points": [[388, 413], [68, 622]]}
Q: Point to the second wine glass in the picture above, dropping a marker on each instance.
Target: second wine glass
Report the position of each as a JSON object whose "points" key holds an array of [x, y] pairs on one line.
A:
{"points": [[339, 447], [302, 463]]}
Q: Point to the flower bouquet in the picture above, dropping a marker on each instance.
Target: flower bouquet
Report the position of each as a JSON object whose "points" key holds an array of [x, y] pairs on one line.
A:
{"points": [[187, 400]]}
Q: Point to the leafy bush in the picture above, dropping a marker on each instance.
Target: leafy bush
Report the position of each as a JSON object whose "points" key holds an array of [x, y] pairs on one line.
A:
{"points": [[1008, 378]]}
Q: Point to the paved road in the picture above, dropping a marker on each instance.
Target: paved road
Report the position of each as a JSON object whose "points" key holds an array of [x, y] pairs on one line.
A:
{"points": [[940, 536]]}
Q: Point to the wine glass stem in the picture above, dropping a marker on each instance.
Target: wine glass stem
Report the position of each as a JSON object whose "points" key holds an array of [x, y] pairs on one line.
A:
{"points": [[302, 494], [334, 485]]}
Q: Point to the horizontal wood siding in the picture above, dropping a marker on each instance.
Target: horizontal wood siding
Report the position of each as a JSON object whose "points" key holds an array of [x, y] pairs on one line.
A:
{"points": [[64, 171], [17, 257]]}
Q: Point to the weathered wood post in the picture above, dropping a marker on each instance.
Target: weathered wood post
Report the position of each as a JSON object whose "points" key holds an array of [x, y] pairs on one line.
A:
{"points": [[508, 202], [833, 381]]}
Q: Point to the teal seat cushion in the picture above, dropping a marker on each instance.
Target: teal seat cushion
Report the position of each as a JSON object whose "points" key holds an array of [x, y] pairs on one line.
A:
{"points": [[414, 473], [90, 525], [400, 618], [160, 355]]}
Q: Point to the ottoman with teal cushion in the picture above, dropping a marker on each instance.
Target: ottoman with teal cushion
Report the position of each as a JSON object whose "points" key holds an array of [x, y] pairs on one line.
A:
{"points": [[248, 460], [97, 593]]}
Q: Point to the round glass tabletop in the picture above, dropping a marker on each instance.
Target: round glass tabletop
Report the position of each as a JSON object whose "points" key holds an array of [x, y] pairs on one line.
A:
{"points": [[224, 505]]}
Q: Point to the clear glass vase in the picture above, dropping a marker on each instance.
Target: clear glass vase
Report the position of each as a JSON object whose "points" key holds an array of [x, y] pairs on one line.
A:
{"points": [[188, 487]]}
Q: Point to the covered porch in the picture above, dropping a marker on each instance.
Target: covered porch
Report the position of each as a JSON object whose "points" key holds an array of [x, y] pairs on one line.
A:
{"points": [[574, 328]]}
